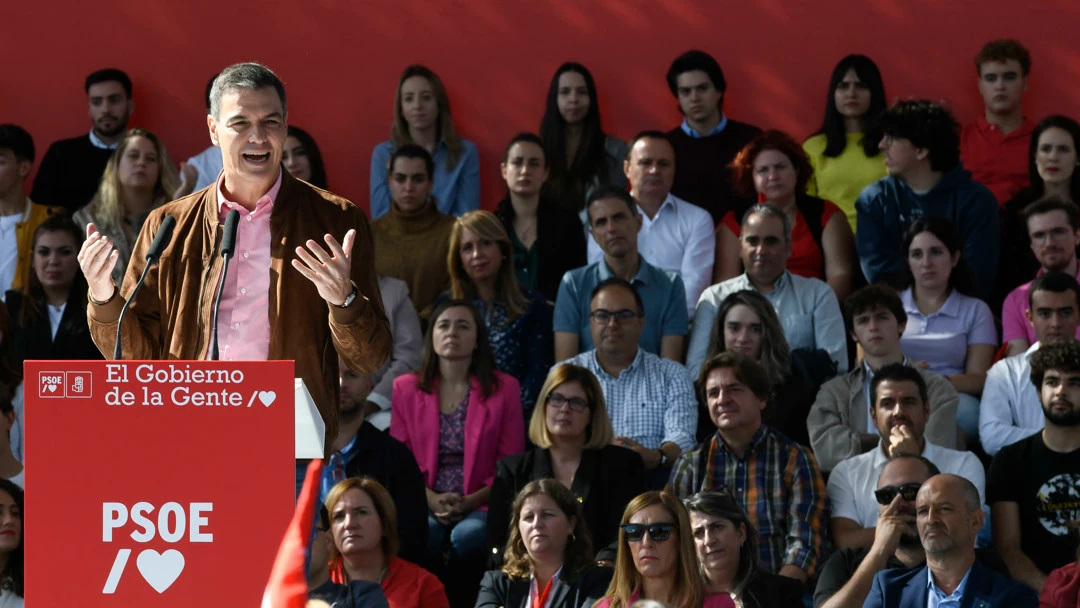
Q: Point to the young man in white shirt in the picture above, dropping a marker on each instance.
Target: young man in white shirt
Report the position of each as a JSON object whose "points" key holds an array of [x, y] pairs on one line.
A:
{"points": [[18, 217]]}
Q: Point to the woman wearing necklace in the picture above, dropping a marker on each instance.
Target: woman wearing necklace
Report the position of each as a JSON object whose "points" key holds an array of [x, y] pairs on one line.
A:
{"points": [[572, 434], [138, 178], [459, 417], [363, 546], [547, 238], [481, 268], [48, 316], [549, 556]]}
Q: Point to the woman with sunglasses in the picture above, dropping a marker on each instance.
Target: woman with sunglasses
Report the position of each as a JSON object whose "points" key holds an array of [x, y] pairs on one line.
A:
{"points": [[657, 559], [727, 549], [572, 436], [549, 556]]}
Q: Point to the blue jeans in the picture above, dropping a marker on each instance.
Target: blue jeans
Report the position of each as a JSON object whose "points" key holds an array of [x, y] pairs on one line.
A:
{"points": [[468, 537], [967, 418]]}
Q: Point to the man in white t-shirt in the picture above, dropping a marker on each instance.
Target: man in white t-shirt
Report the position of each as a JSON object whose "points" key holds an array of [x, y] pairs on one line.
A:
{"points": [[900, 409], [18, 216]]}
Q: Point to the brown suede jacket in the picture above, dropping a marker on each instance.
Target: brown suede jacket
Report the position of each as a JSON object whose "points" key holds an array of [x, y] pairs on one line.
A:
{"points": [[170, 317]]}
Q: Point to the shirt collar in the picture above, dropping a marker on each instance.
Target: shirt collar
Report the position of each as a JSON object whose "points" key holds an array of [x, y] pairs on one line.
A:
{"points": [[1023, 130], [755, 441], [693, 133], [268, 199], [533, 590], [629, 369], [781, 282], [97, 143], [642, 276], [934, 588]]}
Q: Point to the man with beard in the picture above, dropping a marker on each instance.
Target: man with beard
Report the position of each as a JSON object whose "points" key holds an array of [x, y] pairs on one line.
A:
{"points": [[807, 307], [948, 516], [1011, 408], [900, 411], [361, 450], [1053, 227], [1034, 484], [71, 170]]}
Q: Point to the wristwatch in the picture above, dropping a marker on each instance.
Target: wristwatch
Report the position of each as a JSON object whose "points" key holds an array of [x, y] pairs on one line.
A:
{"points": [[663, 457], [350, 298]]}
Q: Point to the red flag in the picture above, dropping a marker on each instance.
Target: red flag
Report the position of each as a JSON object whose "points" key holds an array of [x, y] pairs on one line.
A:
{"points": [[288, 585]]}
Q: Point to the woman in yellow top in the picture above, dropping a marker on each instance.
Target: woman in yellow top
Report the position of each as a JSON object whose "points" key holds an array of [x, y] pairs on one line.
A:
{"points": [[844, 151]]}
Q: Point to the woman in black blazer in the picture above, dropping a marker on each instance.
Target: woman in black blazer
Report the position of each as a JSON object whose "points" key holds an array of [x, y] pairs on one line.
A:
{"points": [[549, 561], [48, 316], [572, 434]]}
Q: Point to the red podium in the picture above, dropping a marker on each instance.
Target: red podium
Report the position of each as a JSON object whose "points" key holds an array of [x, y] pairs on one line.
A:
{"points": [[156, 483]]}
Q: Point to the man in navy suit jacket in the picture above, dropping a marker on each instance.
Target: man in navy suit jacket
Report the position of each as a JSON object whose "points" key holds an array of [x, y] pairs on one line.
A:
{"points": [[949, 514]]}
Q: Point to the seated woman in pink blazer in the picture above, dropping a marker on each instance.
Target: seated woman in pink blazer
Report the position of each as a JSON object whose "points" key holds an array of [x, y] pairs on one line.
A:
{"points": [[459, 417]]}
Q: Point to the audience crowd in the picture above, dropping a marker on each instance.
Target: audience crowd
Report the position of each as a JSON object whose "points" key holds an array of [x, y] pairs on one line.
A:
{"points": [[709, 366]]}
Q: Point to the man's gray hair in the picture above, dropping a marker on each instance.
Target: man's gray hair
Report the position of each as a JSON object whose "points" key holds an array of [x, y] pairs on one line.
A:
{"points": [[768, 210], [253, 76]]}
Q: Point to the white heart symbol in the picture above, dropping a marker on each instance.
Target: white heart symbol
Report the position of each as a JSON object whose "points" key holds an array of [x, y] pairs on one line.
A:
{"points": [[51, 388], [160, 569], [267, 397]]}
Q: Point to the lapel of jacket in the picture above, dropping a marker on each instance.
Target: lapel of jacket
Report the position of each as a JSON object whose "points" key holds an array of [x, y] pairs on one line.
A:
{"points": [[518, 594], [914, 595], [586, 472], [979, 590], [559, 592], [475, 420]]}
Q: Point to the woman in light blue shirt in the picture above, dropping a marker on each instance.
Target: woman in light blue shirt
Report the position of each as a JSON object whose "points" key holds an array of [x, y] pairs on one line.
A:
{"points": [[947, 332], [422, 117]]}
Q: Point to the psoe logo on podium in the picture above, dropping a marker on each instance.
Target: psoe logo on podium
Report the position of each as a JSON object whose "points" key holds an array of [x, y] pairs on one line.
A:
{"points": [[52, 384]]}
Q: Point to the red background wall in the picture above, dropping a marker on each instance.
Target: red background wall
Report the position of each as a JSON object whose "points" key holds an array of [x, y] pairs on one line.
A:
{"points": [[341, 59]]}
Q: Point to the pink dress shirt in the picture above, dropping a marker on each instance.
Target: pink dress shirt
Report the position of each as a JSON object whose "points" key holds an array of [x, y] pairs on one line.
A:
{"points": [[1014, 323], [244, 317]]}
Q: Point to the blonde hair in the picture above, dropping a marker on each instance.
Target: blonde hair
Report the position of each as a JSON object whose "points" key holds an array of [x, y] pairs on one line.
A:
{"points": [[399, 131], [384, 507], [578, 553], [106, 207], [598, 433], [486, 226], [690, 583]]}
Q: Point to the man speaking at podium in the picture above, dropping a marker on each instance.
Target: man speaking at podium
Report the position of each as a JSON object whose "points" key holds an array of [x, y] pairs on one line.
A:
{"points": [[327, 304]]}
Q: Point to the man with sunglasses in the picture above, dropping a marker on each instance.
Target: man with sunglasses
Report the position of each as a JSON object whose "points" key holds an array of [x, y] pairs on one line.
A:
{"points": [[650, 399], [900, 409], [1034, 487], [775, 480], [614, 223]]}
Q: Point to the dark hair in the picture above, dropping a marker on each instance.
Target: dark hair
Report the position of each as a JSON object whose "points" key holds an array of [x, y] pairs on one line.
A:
{"points": [[743, 165], [33, 290], [747, 371], [874, 296], [411, 151], [569, 176], [606, 192], [318, 169], [832, 126], [109, 75], [649, 134], [578, 553], [926, 125], [619, 282], [1002, 51], [931, 468], [483, 361], [1070, 126], [724, 505], [1054, 281], [1053, 204], [251, 76], [898, 372], [960, 277], [696, 61], [14, 569], [16, 139], [526, 138], [775, 351], [1063, 356], [209, 88]]}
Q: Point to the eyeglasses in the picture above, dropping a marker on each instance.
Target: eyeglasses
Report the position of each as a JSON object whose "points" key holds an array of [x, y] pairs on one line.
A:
{"points": [[658, 532], [577, 404], [604, 316], [886, 494]]}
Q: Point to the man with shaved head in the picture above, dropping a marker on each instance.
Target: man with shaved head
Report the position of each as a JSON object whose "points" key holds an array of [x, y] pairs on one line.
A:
{"points": [[948, 514]]}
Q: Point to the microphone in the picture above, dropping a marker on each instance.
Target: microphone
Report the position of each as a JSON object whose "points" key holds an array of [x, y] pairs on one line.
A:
{"points": [[164, 233], [228, 247]]}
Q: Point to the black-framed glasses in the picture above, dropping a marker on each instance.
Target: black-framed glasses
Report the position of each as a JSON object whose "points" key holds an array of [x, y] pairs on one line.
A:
{"points": [[603, 316], [577, 404], [658, 532], [886, 494]]}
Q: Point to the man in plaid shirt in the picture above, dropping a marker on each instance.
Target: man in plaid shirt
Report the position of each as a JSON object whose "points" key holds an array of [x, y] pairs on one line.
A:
{"points": [[775, 480]]}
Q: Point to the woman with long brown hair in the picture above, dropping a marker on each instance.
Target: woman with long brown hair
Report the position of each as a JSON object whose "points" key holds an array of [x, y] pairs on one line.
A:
{"points": [[657, 559], [422, 117]]}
